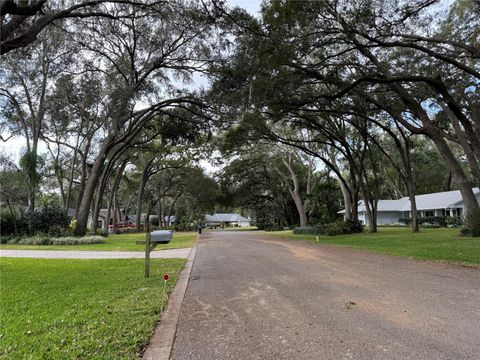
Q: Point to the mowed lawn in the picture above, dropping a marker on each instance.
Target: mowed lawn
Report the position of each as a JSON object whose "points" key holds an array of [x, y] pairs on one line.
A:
{"points": [[80, 309], [429, 244], [118, 242]]}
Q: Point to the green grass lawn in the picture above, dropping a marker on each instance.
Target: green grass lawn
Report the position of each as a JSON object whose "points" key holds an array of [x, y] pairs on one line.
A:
{"points": [[429, 244], [80, 309], [120, 242]]}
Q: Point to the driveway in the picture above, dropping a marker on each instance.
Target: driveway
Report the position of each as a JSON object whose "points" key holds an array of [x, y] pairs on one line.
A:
{"points": [[67, 254], [257, 297]]}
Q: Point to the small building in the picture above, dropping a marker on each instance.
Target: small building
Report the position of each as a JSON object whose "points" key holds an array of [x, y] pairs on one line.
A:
{"points": [[389, 212], [226, 220], [102, 217]]}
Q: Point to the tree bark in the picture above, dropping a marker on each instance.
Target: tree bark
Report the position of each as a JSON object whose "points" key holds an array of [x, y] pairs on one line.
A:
{"points": [[295, 191], [141, 192], [83, 211]]}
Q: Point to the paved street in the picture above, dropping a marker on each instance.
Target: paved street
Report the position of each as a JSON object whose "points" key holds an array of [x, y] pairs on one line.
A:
{"points": [[84, 254], [254, 297]]}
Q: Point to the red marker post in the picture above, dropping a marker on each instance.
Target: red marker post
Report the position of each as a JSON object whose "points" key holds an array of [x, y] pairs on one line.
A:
{"points": [[166, 277]]}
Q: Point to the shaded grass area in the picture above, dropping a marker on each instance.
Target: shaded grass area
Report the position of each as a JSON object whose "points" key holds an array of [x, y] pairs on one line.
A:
{"points": [[118, 242], [429, 244], [80, 309]]}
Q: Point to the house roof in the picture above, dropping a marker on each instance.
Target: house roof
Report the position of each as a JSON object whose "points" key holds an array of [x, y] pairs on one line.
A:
{"points": [[439, 200], [225, 218], [385, 205]]}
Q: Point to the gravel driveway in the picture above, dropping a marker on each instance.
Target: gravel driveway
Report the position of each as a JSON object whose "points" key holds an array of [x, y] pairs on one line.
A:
{"points": [[257, 297]]}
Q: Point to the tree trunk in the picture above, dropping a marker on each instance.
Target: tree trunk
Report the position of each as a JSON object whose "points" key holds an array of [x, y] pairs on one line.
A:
{"points": [[109, 214], [97, 204], [116, 184], [372, 216], [115, 213], [127, 209], [83, 211], [346, 200], [83, 175], [295, 192], [141, 192], [459, 177], [14, 216]]}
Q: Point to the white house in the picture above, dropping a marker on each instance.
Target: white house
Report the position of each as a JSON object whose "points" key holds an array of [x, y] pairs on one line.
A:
{"points": [[226, 220], [448, 203]]}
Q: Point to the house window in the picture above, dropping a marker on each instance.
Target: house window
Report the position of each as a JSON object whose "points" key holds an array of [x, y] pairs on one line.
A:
{"points": [[429, 213]]}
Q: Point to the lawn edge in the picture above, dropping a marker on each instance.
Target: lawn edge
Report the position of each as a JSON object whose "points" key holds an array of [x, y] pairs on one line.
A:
{"points": [[162, 340], [438, 261]]}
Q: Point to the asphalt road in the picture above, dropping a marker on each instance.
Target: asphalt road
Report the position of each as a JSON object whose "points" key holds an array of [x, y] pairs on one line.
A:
{"points": [[254, 297]]}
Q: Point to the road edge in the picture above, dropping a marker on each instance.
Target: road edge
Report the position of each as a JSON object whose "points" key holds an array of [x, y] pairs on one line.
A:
{"points": [[161, 343]]}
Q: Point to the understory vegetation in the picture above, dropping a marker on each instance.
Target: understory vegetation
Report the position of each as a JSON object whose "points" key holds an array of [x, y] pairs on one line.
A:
{"points": [[45, 240], [117, 242], [80, 309], [339, 227]]}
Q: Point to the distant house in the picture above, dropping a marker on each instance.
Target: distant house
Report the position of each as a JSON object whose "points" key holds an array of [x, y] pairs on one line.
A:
{"points": [[102, 216], [223, 220], [169, 220], [448, 203]]}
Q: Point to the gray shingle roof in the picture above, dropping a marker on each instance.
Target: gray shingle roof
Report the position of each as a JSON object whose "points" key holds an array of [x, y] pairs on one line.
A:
{"points": [[439, 200], [225, 218]]}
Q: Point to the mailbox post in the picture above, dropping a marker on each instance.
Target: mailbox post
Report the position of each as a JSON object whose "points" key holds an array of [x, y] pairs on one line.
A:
{"points": [[152, 239]]}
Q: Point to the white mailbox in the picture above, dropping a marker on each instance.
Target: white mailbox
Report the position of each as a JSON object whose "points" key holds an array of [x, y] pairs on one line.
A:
{"points": [[161, 236]]}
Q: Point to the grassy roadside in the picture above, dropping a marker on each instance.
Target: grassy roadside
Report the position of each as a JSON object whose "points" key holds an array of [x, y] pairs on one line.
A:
{"points": [[80, 309], [118, 242], [429, 244]]}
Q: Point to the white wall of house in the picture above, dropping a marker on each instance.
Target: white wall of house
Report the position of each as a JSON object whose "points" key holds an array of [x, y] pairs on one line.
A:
{"points": [[388, 217], [383, 217], [362, 216]]}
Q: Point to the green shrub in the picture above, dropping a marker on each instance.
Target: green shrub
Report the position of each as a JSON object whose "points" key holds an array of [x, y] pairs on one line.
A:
{"points": [[7, 226], [47, 240], [273, 228], [8, 239], [440, 221], [184, 227], [71, 240], [100, 232], [72, 226], [344, 227], [34, 240], [309, 230], [473, 227], [49, 219]]}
